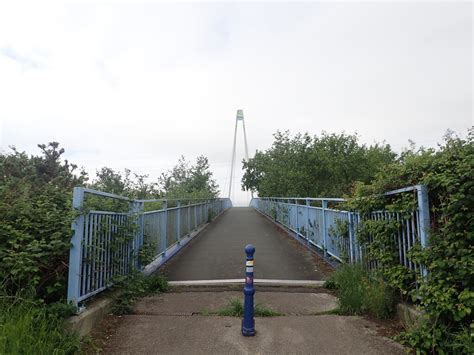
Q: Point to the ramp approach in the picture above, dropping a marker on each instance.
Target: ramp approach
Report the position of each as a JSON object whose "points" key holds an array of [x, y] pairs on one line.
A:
{"points": [[218, 252], [114, 235]]}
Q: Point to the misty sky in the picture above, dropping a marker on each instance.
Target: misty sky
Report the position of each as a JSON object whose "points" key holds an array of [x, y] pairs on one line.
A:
{"points": [[137, 85]]}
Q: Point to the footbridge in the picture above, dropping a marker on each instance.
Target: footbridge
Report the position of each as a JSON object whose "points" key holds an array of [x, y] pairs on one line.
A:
{"points": [[202, 240]]}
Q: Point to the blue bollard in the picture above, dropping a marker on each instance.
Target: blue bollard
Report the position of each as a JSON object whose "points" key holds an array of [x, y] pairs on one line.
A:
{"points": [[248, 323]]}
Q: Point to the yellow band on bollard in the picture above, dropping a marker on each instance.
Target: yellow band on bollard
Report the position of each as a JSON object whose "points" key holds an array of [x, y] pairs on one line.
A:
{"points": [[249, 263]]}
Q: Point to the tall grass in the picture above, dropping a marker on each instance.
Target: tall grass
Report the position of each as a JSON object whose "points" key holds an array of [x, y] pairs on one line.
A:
{"points": [[362, 293], [28, 326]]}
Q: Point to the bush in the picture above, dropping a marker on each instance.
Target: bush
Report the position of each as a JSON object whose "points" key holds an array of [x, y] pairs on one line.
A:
{"points": [[445, 294], [35, 220]]}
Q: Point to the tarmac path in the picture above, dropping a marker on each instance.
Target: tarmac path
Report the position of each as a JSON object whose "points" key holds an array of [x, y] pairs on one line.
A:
{"points": [[218, 252]]}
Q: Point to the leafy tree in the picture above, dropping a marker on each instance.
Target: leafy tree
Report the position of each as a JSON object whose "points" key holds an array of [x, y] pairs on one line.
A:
{"points": [[127, 184], [189, 181], [313, 166]]}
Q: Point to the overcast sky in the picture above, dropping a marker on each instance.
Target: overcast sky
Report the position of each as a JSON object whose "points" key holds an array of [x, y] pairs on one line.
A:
{"points": [[137, 85]]}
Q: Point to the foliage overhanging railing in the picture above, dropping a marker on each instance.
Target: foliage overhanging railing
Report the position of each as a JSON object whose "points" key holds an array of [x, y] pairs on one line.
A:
{"points": [[338, 233], [114, 235]]}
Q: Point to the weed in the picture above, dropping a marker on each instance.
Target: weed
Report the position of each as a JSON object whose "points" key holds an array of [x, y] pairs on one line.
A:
{"points": [[235, 308], [351, 285], [361, 293], [262, 311], [134, 286], [380, 301]]}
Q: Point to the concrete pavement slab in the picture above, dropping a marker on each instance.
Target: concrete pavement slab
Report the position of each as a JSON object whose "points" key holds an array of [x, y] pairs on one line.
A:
{"points": [[324, 334], [289, 303]]}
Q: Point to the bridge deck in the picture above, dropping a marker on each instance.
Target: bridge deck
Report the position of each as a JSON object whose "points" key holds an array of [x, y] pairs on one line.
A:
{"points": [[218, 253]]}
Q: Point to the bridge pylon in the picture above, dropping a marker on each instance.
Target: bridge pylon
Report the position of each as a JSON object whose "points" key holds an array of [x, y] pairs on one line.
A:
{"points": [[239, 117]]}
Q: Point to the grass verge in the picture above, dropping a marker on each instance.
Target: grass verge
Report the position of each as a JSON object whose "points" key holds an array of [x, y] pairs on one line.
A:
{"points": [[28, 326]]}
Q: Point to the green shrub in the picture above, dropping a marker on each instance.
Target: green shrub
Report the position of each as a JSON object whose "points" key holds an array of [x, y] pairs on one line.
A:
{"points": [[36, 211], [429, 337], [35, 220], [445, 294]]}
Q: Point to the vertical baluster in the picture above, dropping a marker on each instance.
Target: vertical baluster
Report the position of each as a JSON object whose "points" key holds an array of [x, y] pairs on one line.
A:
{"points": [[307, 221], [413, 232], [351, 236], [85, 255], [90, 252], [100, 250], [108, 265], [178, 222], [409, 242], [195, 216], [325, 232]]}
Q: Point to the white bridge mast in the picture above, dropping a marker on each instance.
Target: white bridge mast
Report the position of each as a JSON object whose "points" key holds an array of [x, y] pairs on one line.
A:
{"points": [[240, 117]]}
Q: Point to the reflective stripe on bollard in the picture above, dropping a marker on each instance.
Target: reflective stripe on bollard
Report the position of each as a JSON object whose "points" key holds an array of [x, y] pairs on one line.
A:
{"points": [[248, 323]]}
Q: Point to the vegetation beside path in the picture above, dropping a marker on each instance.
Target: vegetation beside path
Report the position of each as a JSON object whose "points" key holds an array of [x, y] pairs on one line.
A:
{"points": [[35, 235]]}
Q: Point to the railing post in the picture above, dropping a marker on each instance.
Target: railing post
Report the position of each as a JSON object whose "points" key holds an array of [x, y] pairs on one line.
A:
{"points": [[164, 232], [248, 323], [202, 212], [178, 222], [360, 246], [297, 219], [325, 231], [195, 217], [137, 209], [424, 216], [351, 237], [75, 253], [288, 213], [189, 217], [307, 221]]}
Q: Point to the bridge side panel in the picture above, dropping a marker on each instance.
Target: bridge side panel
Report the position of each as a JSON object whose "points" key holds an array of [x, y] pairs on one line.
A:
{"points": [[110, 244]]}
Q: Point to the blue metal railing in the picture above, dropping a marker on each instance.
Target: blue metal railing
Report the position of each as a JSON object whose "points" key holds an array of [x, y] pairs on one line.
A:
{"points": [[107, 244], [318, 225]]}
